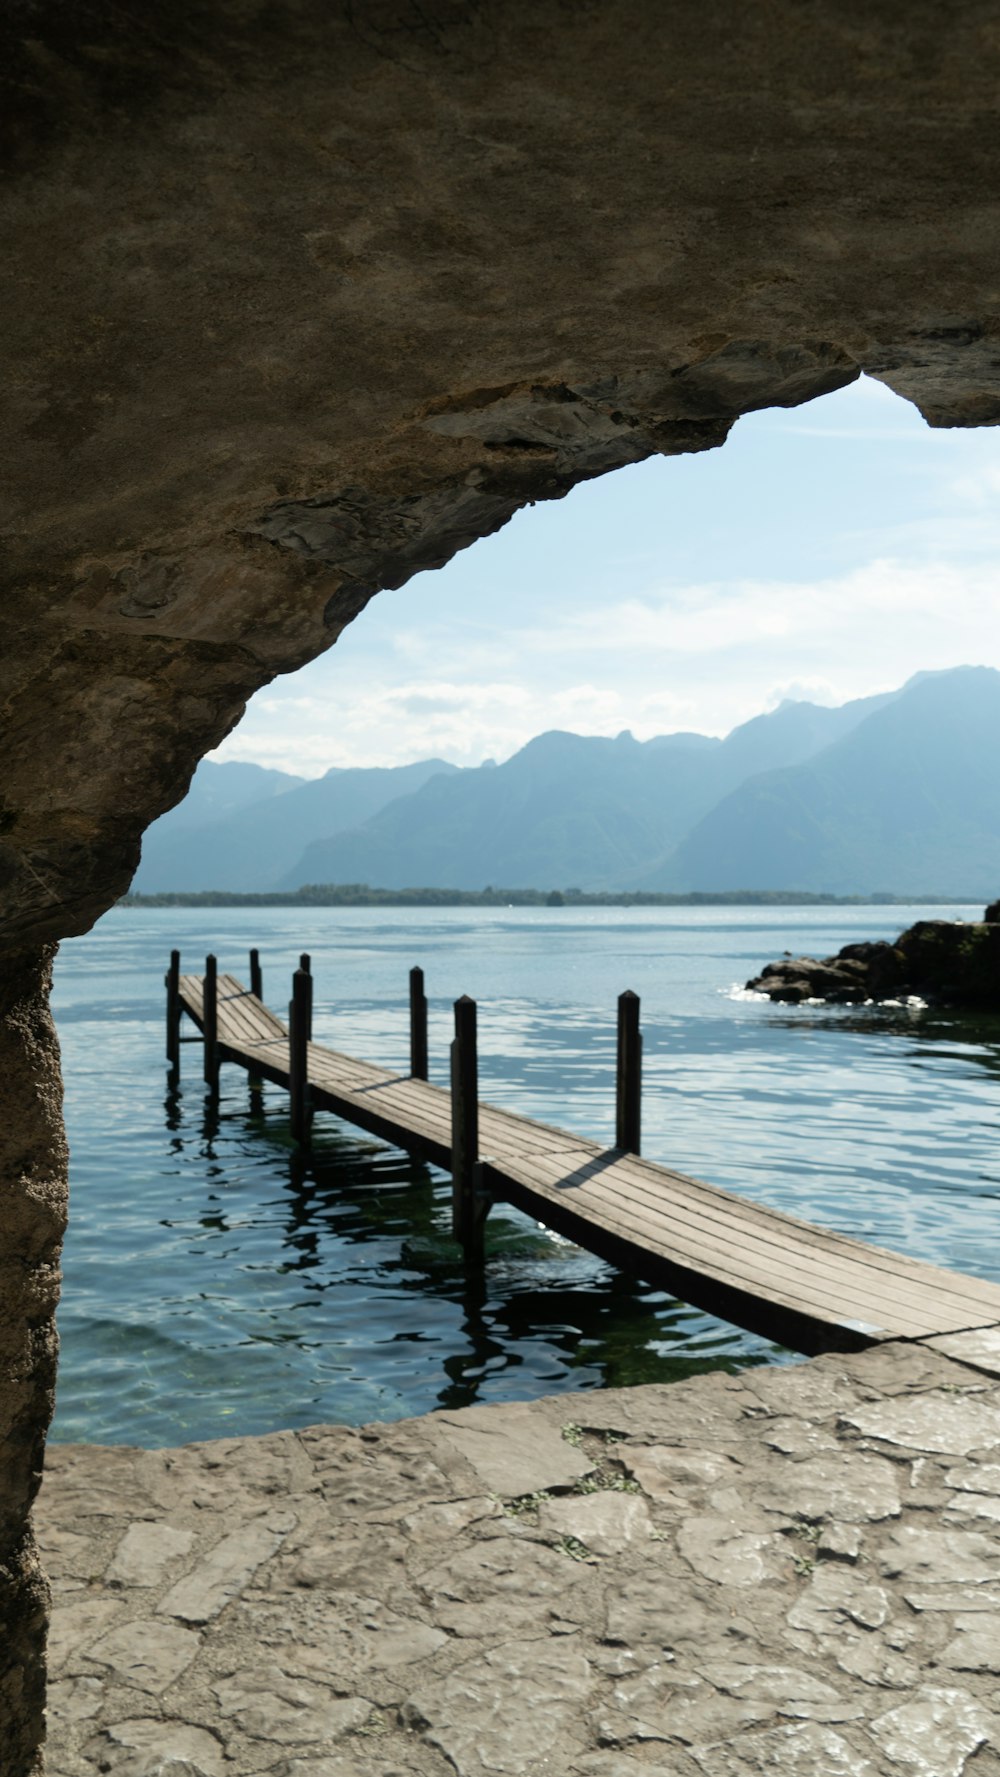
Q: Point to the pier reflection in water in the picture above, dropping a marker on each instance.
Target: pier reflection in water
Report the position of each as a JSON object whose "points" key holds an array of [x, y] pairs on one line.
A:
{"points": [[538, 1312]]}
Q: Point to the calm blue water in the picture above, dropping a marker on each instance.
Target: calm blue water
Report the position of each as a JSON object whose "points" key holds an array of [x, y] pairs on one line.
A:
{"points": [[217, 1283]]}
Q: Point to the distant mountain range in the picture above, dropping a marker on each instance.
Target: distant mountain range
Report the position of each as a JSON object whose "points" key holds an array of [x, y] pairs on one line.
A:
{"points": [[240, 825], [909, 799], [898, 793]]}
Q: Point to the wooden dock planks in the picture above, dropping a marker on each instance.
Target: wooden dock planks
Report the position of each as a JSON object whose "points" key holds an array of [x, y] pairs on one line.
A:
{"points": [[807, 1287]]}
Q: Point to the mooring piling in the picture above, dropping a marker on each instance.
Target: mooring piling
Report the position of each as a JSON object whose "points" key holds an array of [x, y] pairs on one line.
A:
{"points": [[210, 1024], [628, 1106], [254, 1080], [418, 1026], [172, 979], [299, 1038], [468, 1208]]}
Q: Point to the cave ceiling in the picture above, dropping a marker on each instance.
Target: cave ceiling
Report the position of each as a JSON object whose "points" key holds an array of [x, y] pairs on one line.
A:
{"points": [[301, 298]]}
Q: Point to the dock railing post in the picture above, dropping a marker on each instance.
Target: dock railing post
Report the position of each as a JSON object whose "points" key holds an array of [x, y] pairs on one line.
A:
{"points": [[299, 1033], [628, 1109], [418, 1026], [254, 1080], [172, 982], [468, 1209], [210, 1023]]}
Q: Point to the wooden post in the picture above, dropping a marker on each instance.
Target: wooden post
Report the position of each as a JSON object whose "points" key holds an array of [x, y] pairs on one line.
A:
{"points": [[254, 1080], [172, 980], [210, 1023], [628, 1119], [299, 1026], [418, 1026], [305, 964], [468, 1211]]}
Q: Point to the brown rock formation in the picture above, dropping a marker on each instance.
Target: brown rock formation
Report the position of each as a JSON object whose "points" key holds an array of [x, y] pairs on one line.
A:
{"points": [[33, 1212], [945, 962], [309, 295]]}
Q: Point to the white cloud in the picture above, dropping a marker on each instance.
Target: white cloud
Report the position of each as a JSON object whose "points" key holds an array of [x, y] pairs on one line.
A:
{"points": [[713, 619], [802, 691], [694, 656], [392, 725]]}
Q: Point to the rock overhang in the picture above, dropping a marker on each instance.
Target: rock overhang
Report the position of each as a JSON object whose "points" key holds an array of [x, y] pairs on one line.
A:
{"points": [[310, 297]]}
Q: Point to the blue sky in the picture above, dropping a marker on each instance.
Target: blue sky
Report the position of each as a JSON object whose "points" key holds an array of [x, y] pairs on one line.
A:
{"points": [[827, 551]]}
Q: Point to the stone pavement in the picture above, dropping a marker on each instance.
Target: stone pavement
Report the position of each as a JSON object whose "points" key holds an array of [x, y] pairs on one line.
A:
{"points": [[794, 1571]]}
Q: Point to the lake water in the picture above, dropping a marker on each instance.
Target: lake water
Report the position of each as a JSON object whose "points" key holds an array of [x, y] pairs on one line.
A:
{"points": [[218, 1283]]}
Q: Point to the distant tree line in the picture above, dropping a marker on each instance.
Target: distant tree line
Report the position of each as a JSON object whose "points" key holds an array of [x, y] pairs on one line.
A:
{"points": [[360, 894]]}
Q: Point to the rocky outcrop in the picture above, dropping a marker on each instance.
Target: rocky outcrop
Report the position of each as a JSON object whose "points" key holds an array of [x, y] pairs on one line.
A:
{"points": [[32, 1218], [944, 962], [307, 296]]}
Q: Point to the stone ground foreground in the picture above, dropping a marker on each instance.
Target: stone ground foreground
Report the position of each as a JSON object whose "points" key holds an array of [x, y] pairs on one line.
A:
{"points": [[790, 1571]]}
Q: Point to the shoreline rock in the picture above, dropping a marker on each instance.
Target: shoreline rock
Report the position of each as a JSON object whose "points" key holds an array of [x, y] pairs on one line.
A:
{"points": [[941, 961]]}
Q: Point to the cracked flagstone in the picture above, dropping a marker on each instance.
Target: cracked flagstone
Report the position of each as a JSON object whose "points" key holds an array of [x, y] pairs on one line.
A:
{"points": [[789, 1573]]}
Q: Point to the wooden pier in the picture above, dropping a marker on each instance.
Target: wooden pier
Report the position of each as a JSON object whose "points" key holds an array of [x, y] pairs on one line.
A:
{"points": [[806, 1287]]}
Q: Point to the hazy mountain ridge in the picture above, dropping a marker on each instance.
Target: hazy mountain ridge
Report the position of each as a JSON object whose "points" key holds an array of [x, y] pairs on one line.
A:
{"points": [[909, 800], [568, 809], [220, 790], [251, 845], [884, 794]]}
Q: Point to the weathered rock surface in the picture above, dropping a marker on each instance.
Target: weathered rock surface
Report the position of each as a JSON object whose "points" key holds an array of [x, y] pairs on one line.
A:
{"points": [[32, 1217], [943, 962], [309, 297], [698, 1592]]}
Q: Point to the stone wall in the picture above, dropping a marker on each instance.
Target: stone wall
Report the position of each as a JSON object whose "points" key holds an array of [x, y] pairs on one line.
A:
{"points": [[310, 295]]}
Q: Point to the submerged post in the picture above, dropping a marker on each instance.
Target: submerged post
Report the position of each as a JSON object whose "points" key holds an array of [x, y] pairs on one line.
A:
{"points": [[299, 1032], [418, 1026], [468, 1209], [628, 1118], [256, 977], [210, 1023], [172, 980]]}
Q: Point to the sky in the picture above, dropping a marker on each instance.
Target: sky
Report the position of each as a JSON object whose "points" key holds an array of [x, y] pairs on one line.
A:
{"points": [[824, 552]]}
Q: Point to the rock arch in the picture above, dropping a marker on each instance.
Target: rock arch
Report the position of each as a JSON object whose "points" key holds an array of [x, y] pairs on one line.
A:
{"points": [[304, 296]]}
